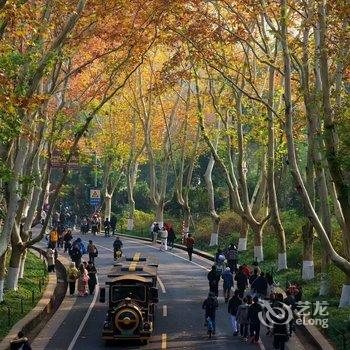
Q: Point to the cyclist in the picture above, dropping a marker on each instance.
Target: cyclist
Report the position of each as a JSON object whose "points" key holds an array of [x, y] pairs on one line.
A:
{"points": [[210, 305], [117, 246]]}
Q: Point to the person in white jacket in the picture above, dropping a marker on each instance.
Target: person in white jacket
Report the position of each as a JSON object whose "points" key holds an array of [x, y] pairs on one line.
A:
{"points": [[163, 239]]}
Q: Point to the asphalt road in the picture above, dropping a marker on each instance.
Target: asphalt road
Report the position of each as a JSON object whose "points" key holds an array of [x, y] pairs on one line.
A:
{"points": [[179, 321]]}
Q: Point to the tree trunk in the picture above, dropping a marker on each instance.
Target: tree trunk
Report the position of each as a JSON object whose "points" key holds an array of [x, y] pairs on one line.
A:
{"points": [[214, 237], [258, 245], [243, 236], [160, 214], [22, 264], [13, 272], [271, 185], [308, 272], [2, 275], [108, 206]]}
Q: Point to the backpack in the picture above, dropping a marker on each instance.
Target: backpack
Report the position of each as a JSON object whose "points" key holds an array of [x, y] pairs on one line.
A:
{"points": [[232, 254]]}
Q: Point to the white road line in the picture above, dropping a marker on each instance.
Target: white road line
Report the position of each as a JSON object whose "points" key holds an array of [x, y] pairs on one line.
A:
{"points": [[163, 341], [82, 324], [165, 311], [261, 345], [161, 285]]}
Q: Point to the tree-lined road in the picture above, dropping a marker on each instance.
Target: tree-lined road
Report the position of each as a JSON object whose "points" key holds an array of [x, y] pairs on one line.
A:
{"points": [[179, 320]]}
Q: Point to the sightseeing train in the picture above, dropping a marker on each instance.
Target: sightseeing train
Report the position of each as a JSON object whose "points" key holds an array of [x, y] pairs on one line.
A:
{"points": [[132, 298]]}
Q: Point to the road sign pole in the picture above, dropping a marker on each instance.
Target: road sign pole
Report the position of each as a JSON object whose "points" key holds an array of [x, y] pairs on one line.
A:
{"points": [[95, 170]]}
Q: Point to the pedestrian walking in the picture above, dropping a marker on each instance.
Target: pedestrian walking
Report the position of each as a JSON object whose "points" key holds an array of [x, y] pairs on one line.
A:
{"points": [[218, 253], [95, 225], [210, 305], [113, 224], [214, 279], [107, 226], [155, 231], [53, 237], [242, 318], [68, 237], [92, 251], [50, 253], [253, 317], [83, 281], [259, 286], [72, 276], [242, 281], [280, 320], [189, 245], [171, 237], [117, 248], [232, 257], [220, 264], [163, 239], [20, 342], [92, 273], [228, 283], [233, 305], [75, 254]]}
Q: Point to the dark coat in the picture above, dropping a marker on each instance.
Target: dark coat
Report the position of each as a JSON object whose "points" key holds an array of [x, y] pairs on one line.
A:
{"points": [[233, 305], [260, 285], [210, 305], [242, 280], [253, 312]]}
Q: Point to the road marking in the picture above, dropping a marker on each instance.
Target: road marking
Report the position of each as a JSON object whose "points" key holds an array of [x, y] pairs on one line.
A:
{"points": [[163, 341], [179, 256], [165, 311], [82, 324], [261, 345], [161, 285]]}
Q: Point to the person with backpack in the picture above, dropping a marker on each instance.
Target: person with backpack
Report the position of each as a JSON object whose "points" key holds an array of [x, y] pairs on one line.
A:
{"points": [[242, 318], [228, 283], [75, 254], [220, 264], [233, 305], [242, 281], [280, 318], [92, 251], [72, 276], [253, 317], [214, 279], [259, 286], [232, 258], [210, 305]]}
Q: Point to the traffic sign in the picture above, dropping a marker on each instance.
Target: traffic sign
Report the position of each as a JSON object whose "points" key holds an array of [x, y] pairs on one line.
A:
{"points": [[95, 196]]}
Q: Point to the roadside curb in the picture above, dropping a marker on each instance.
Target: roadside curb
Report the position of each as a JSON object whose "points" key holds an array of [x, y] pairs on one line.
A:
{"points": [[44, 307], [318, 338]]}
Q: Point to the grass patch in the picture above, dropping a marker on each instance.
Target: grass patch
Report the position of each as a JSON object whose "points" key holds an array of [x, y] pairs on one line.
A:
{"points": [[34, 272]]}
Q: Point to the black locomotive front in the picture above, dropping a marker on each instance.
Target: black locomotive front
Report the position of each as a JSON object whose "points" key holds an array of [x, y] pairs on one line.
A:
{"points": [[132, 300]]}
